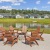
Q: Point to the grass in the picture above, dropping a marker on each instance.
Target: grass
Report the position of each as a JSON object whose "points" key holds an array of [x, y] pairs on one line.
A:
{"points": [[28, 20], [43, 21], [16, 20]]}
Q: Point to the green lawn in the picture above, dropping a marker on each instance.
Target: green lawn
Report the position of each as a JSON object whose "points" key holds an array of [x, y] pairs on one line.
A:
{"points": [[41, 21]]}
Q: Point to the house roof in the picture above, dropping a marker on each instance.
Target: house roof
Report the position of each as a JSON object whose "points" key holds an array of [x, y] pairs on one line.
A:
{"points": [[34, 15], [6, 14], [46, 15], [22, 15]]}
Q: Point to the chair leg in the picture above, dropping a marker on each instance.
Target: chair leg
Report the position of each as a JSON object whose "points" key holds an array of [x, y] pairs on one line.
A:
{"points": [[25, 37], [36, 42], [13, 42], [41, 38], [30, 44], [6, 42]]}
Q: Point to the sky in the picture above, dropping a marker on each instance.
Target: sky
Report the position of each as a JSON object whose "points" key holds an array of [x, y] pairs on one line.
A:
{"points": [[25, 4]]}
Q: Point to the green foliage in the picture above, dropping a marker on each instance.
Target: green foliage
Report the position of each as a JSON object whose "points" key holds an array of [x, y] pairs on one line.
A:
{"points": [[25, 20], [14, 11]]}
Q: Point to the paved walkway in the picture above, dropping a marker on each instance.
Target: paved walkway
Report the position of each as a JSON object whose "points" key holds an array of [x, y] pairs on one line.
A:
{"points": [[43, 45]]}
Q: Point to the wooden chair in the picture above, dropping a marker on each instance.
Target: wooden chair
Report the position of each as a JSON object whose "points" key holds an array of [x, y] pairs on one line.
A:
{"points": [[10, 38], [11, 29], [24, 31], [2, 32], [36, 35], [30, 40], [38, 30]]}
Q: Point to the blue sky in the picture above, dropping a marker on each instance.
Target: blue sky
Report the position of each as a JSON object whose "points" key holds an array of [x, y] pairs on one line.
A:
{"points": [[25, 4]]}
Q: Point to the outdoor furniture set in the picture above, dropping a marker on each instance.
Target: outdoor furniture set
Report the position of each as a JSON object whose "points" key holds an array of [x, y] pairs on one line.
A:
{"points": [[12, 35]]}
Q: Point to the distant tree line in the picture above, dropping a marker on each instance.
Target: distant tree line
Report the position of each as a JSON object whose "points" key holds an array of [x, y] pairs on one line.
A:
{"points": [[14, 11]]}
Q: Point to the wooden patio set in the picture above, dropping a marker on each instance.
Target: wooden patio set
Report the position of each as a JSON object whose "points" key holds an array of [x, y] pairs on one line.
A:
{"points": [[12, 35]]}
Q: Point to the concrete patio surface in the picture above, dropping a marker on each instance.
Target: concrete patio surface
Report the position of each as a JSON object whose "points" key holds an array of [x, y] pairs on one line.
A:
{"points": [[43, 45]]}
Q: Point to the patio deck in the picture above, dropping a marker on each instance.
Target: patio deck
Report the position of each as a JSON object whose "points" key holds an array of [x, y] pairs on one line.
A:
{"points": [[43, 45]]}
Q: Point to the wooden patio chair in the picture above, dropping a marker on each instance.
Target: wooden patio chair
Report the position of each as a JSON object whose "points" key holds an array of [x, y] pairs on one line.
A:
{"points": [[11, 29], [24, 31], [38, 30], [2, 32], [30, 40], [36, 35], [10, 38]]}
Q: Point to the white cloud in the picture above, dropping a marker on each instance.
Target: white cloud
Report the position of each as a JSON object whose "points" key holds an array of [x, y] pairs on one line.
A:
{"points": [[48, 2], [8, 1], [0, 2], [14, 2], [45, 6], [38, 2], [20, 0], [35, 8], [28, 8], [6, 7]]}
